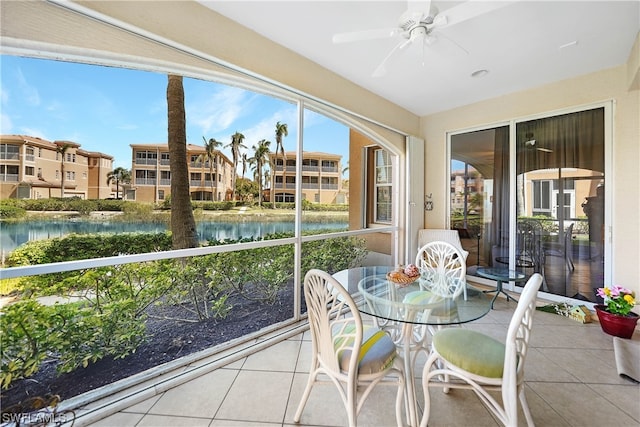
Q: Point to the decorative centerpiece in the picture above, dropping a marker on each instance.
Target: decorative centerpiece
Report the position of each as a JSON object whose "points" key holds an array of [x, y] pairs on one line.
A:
{"points": [[615, 315], [404, 276]]}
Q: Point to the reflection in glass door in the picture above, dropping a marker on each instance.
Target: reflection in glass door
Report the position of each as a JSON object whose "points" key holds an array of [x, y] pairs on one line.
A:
{"points": [[559, 187], [560, 160]]}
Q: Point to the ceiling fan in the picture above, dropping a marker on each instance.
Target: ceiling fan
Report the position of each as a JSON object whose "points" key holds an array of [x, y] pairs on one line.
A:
{"points": [[530, 143], [420, 24]]}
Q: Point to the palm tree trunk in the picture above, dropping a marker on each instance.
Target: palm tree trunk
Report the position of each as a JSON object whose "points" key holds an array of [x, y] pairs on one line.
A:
{"points": [[183, 226]]}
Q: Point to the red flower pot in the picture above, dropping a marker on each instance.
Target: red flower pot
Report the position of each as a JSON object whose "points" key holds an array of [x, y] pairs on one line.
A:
{"points": [[615, 324]]}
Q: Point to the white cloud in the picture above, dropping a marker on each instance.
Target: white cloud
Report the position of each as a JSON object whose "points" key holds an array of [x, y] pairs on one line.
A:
{"points": [[37, 133], [5, 124], [216, 113], [29, 93]]}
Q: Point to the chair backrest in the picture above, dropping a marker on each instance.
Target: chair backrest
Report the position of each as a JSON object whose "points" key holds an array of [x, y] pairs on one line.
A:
{"points": [[518, 335], [335, 322], [443, 268], [428, 235]]}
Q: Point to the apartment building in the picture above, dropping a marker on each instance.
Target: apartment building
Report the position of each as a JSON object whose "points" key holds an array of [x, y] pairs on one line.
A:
{"points": [[209, 179], [321, 177], [33, 168]]}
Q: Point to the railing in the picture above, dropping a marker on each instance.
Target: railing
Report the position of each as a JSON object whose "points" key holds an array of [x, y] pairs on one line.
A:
{"points": [[306, 168], [30, 158], [145, 181], [9, 177], [165, 181], [9, 156], [146, 161], [330, 169]]}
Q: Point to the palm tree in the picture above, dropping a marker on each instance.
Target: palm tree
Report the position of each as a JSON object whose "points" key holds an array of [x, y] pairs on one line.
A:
{"points": [[245, 160], [260, 157], [281, 130], [210, 155], [62, 149], [235, 144], [119, 175], [183, 224]]}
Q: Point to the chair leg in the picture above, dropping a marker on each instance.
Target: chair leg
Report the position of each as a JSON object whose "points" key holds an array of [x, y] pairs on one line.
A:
{"points": [[525, 407], [305, 397]]}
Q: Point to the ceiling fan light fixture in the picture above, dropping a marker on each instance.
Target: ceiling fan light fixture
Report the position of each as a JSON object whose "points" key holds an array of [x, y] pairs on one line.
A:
{"points": [[479, 73]]}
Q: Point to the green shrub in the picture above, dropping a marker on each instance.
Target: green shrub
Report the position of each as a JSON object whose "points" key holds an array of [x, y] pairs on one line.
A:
{"points": [[11, 209], [109, 321]]}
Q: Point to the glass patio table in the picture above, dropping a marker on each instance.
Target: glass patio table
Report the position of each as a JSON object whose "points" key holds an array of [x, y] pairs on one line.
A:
{"points": [[407, 312]]}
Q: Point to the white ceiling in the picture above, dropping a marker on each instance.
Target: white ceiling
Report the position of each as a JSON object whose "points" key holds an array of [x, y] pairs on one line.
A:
{"points": [[520, 44]]}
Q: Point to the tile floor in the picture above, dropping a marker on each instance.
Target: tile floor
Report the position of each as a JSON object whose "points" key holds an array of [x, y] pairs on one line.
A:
{"points": [[571, 380]]}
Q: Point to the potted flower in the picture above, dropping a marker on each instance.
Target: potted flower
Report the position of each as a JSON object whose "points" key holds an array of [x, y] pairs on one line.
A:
{"points": [[615, 315]]}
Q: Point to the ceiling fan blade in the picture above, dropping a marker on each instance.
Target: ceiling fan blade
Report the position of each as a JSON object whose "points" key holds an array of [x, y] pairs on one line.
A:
{"points": [[546, 150], [468, 10], [380, 33], [381, 70]]}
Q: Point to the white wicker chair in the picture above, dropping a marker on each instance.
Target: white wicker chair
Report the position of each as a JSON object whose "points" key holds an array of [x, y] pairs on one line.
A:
{"points": [[465, 358], [443, 267], [427, 235], [355, 358]]}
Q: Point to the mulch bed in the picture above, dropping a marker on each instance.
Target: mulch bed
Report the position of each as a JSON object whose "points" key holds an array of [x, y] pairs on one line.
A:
{"points": [[167, 340]]}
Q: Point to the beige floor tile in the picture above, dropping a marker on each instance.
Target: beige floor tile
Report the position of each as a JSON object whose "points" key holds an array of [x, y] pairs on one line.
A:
{"points": [[304, 357], [541, 365], [144, 406], [200, 397], [279, 357], [173, 421], [625, 397], [579, 405], [119, 419], [257, 396]]}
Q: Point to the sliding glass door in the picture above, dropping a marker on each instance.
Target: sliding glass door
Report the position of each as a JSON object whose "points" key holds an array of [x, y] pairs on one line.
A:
{"points": [[540, 212]]}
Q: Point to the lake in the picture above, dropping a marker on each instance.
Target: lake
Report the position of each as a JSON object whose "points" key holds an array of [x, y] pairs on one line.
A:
{"points": [[13, 235]]}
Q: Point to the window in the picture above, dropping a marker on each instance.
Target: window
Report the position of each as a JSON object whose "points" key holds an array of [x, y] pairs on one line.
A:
{"points": [[164, 158], [542, 197], [29, 170], [39, 172], [57, 174], [146, 157], [160, 194], [71, 175], [8, 151], [30, 154], [165, 177], [145, 177], [383, 185]]}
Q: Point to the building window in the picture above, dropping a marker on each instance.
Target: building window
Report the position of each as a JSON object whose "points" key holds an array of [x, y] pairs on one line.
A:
{"points": [[9, 152], [9, 173], [164, 159], [145, 177], [57, 174], [71, 175], [39, 152], [146, 157], [160, 194], [382, 202], [30, 154], [39, 172], [29, 170]]}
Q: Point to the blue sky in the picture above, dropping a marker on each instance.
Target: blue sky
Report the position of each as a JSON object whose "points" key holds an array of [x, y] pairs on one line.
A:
{"points": [[106, 109]]}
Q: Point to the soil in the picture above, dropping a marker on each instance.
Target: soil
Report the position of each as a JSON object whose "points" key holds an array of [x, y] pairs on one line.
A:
{"points": [[166, 340]]}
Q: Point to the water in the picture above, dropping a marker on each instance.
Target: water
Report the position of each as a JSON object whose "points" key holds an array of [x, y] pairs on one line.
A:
{"points": [[15, 234]]}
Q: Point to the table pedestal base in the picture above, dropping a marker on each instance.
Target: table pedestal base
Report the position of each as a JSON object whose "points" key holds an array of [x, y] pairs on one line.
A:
{"points": [[498, 290]]}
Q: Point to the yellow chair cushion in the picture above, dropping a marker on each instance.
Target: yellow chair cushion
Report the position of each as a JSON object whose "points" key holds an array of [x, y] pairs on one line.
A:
{"points": [[470, 350], [377, 352]]}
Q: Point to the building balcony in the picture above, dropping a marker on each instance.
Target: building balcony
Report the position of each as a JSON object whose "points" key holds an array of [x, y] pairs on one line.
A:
{"points": [[9, 177], [146, 181], [146, 162]]}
